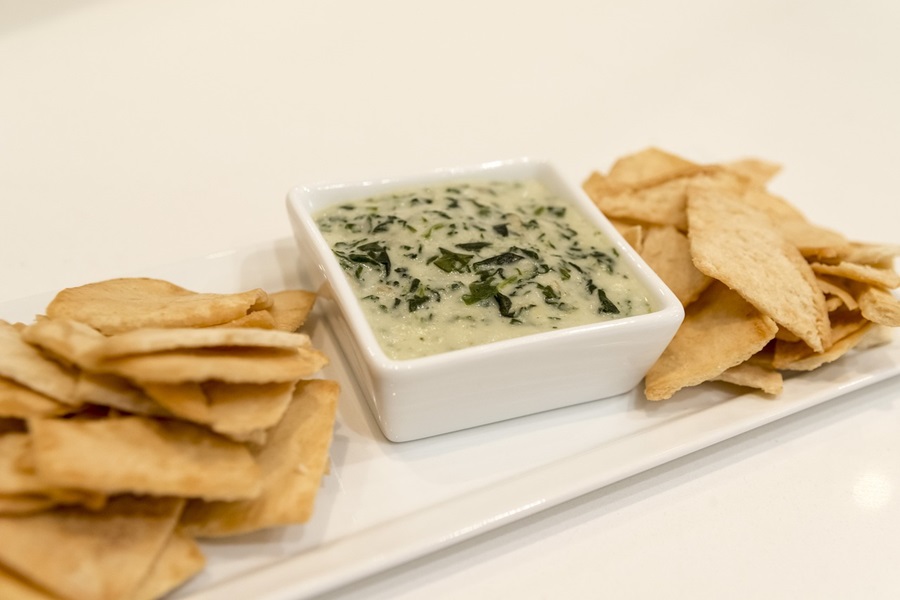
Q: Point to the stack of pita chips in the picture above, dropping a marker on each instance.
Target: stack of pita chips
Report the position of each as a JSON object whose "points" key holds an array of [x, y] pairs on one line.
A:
{"points": [[136, 416], [765, 290]]}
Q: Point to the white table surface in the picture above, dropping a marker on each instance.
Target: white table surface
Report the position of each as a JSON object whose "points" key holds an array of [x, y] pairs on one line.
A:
{"points": [[137, 133]]}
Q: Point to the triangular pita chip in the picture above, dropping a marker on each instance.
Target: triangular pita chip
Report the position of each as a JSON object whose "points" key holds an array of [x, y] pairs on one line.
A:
{"points": [[720, 330], [142, 456], [80, 554], [738, 245], [293, 461], [236, 365], [119, 305]]}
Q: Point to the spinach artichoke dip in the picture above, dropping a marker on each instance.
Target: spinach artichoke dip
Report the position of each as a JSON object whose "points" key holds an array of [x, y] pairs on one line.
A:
{"points": [[451, 266]]}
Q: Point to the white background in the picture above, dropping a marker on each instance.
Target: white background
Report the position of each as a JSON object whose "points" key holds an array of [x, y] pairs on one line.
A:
{"points": [[138, 133]]}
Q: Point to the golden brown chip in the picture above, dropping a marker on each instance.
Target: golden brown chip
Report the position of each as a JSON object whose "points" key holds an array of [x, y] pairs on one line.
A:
{"points": [[650, 165], [68, 341], [791, 223], [881, 277], [237, 365], [660, 204], [80, 554], [750, 375], [142, 456], [21, 402], [19, 481], [737, 244], [235, 410], [290, 308], [293, 461], [668, 252], [720, 330], [179, 560], [880, 306], [148, 340], [799, 357], [856, 252], [119, 305], [25, 365]]}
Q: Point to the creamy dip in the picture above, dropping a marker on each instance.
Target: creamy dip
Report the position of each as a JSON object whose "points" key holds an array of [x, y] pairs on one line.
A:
{"points": [[451, 266]]}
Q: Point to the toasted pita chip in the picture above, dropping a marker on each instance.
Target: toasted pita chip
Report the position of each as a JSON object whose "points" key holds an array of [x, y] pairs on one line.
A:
{"points": [[759, 172], [660, 204], [290, 308], [19, 480], [790, 222], [668, 252], [737, 244], [720, 330], [798, 357], [843, 323], [142, 456], [179, 560], [650, 165], [25, 365], [237, 411], [750, 375], [236, 365], [119, 305], [147, 340], [89, 555], [21, 402], [293, 461], [880, 277], [880, 306], [855, 252], [68, 341], [118, 393]]}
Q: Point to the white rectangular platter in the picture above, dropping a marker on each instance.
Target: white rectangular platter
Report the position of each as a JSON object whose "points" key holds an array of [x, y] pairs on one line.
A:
{"points": [[384, 503]]}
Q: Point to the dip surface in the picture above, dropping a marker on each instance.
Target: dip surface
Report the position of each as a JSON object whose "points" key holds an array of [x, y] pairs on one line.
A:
{"points": [[451, 266]]}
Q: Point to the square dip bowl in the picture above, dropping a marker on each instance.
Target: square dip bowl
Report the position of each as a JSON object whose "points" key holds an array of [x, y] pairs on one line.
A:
{"points": [[418, 397]]}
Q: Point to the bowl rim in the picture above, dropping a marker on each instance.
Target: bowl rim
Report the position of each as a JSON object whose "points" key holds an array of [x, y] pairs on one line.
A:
{"points": [[667, 306]]}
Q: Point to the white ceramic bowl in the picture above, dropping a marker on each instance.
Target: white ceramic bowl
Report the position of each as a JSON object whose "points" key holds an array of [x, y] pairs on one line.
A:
{"points": [[456, 390]]}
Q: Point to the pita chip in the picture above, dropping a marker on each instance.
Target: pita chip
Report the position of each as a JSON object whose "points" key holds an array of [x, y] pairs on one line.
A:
{"points": [[80, 554], [737, 244], [293, 461], [720, 330]]}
